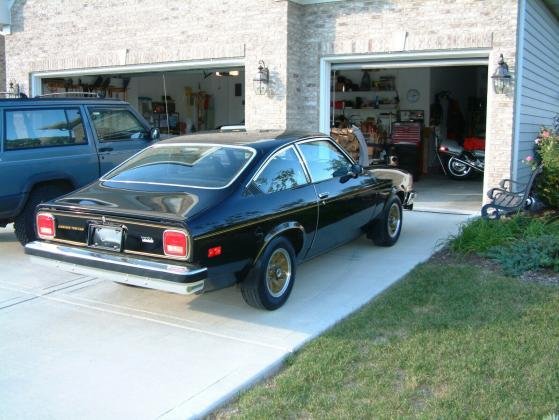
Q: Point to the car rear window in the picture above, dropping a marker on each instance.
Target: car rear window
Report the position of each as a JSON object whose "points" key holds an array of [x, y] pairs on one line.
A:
{"points": [[192, 165]]}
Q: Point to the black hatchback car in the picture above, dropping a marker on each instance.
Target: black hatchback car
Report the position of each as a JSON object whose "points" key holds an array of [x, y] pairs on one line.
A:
{"points": [[207, 211]]}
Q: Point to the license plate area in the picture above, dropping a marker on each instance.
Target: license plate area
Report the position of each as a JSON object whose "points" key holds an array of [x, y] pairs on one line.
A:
{"points": [[106, 237]]}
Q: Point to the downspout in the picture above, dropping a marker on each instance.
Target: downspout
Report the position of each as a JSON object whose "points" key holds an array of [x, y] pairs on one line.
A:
{"points": [[6, 17], [518, 87]]}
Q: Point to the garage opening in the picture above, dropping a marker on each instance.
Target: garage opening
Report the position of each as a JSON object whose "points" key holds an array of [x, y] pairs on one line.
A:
{"points": [[410, 115], [177, 102]]}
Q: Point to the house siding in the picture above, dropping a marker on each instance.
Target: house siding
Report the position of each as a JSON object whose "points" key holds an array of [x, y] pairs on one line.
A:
{"points": [[538, 84]]}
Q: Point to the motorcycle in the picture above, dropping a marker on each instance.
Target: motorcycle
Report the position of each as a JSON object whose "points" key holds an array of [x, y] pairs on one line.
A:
{"points": [[459, 162]]}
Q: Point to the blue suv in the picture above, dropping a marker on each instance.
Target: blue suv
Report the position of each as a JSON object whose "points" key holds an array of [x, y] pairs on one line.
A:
{"points": [[51, 146]]}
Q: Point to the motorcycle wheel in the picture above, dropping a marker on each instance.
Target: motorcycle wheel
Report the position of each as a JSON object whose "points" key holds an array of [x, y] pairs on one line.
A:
{"points": [[457, 169]]}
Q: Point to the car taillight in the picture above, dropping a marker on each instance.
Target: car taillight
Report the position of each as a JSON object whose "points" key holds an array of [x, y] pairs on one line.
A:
{"points": [[175, 243], [45, 226]]}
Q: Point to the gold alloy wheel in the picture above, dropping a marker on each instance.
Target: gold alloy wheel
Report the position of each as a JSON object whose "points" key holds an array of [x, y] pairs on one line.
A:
{"points": [[278, 272], [394, 220]]}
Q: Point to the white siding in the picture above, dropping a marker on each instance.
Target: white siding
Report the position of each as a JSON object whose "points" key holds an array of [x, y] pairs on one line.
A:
{"points": [[537, 79]]}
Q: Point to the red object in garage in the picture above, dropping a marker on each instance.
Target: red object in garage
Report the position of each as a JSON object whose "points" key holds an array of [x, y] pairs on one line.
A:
{"points": [[474, 143]]}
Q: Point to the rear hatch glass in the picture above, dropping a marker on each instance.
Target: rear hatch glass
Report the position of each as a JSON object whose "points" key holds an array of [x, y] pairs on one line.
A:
{"points": [[188, 165]]}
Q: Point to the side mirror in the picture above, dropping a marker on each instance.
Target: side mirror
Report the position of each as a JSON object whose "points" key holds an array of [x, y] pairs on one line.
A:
{"points": [[154, 134]]}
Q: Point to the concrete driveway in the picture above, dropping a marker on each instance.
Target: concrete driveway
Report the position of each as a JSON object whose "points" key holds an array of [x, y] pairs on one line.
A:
{"points": [[78, 347]]}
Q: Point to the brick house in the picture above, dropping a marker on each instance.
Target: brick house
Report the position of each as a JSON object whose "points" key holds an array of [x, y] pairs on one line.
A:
{"points": [[173, 50]]}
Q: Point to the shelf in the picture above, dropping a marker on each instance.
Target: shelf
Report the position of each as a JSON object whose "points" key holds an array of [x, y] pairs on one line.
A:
{"points": [[361, 92], [370, 108]]}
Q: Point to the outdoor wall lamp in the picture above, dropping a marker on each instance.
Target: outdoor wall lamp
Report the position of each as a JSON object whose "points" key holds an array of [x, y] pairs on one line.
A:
{"points": [[502, 79], [261, 79]]}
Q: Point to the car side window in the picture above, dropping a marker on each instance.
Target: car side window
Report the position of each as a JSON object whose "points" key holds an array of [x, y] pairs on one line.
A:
{"points": [[116, 125], [34, 128], [282, 172], [324, 160]]}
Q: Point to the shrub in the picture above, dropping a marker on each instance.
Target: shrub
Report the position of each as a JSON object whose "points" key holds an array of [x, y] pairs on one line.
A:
{"points": [[547, 152], [528, 254]]}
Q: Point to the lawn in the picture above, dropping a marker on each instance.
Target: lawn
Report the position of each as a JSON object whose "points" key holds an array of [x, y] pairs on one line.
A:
{"points": [[453, 339]]}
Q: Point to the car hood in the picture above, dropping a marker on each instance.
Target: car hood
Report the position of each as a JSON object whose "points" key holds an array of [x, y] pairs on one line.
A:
{"points": [[147, 201]]}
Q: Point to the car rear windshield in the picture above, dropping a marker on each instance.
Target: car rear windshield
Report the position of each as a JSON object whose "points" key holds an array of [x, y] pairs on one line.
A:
{"points": [[192, 165]]}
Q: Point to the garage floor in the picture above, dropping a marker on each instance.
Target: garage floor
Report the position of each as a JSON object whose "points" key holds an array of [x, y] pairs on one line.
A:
{"points": [[79, 347], [439, 193]]}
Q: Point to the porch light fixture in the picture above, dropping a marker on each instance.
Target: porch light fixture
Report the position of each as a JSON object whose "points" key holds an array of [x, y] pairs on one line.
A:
{"points": [[502, 79], [262, 78]]}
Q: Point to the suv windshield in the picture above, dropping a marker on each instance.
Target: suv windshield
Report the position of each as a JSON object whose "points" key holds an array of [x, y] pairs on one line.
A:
{"points": [[193, 165]]}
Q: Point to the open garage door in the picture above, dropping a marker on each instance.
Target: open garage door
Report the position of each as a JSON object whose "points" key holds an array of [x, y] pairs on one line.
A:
{"points": [[407, 107], [176, 100]]}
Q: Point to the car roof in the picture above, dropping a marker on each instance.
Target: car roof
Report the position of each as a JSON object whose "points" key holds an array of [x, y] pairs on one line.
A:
{"points": [[263, 140], [59, 101]]}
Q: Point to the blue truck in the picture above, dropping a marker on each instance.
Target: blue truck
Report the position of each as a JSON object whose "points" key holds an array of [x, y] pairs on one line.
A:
{"points": [[51, 146]]}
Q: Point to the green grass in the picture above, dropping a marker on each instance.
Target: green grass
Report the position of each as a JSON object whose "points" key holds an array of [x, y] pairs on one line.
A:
{"points": [[449, 341]]}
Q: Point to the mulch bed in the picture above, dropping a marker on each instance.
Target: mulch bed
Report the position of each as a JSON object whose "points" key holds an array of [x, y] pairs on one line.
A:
{"points": [[446, 256]]}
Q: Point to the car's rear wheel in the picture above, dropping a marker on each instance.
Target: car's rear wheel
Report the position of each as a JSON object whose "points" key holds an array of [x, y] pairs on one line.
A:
{"points": [[24, 222], [269, 283], [386, 229]]}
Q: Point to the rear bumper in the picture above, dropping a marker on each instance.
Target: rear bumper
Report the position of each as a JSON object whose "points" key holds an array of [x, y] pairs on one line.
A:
{"points": [[169, 277]]}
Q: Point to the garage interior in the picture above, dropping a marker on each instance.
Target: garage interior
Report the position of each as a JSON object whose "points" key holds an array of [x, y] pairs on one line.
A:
{"points": [[404, 112], [177, 102]]}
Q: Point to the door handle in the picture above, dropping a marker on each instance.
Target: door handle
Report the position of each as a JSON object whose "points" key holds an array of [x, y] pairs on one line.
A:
{"points": [[323, 195], [105, 149]]}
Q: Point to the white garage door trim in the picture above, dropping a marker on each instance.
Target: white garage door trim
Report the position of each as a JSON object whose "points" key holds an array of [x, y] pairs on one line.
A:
{"points": [[397, 60], [36, 77]]}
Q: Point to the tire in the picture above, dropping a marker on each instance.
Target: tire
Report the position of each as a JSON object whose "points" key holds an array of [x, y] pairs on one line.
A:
{"points": [[24, 222], [458, 170], [386, 229], [269, 283]]}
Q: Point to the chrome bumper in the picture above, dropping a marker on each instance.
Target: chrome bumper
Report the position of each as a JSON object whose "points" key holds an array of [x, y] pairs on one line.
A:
{"points": [[169, 277], [409, 199]]}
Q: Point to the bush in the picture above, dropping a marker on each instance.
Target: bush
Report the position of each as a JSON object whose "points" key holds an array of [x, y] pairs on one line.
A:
{"points": [[528, 254], [547, 152]]}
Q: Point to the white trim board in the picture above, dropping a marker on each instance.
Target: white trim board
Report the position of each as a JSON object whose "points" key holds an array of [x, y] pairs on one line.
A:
{"points": [[36, 77]]}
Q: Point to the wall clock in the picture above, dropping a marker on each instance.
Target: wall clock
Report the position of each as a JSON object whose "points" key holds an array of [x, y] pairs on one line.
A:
{"points": [[413, 95]]}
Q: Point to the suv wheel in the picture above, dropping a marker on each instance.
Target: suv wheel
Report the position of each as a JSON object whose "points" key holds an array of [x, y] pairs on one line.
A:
{"points": [[24, 222]]}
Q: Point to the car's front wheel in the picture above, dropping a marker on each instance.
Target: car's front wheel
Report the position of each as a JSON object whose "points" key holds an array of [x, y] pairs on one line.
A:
{"points": [[269, 283], [386, 229]]}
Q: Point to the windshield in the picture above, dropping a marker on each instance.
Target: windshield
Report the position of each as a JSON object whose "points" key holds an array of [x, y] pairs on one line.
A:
{"points": [[193, 165]]}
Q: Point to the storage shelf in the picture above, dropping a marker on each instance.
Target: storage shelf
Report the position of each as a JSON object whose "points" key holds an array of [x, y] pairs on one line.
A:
{"points": [[361, 92]]}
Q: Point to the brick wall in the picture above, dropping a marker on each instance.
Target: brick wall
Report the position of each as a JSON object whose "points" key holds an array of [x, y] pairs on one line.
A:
{"points": [[61, 34], [290, 38], [368, 27]]}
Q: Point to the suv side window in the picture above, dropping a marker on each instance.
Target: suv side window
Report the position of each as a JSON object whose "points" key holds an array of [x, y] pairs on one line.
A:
{"points": [[32, 128], [324, 160], [116, 124], [282, 172]]}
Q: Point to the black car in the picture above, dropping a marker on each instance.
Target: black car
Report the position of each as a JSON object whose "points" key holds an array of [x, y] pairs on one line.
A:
{"points": [[207, 211]]}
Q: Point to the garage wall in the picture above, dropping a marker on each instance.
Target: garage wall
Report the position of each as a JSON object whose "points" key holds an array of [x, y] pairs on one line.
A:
{"points": [[225, 107], [78, 34], [537, 79], [369, 27]]}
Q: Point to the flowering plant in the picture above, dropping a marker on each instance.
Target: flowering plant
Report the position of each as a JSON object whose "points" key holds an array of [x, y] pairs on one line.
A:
{"points": [[546, 152]]}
